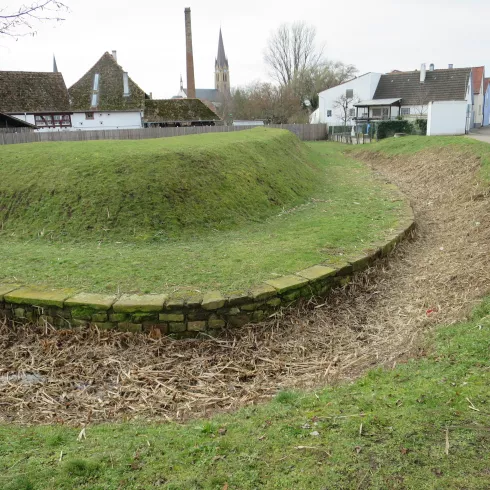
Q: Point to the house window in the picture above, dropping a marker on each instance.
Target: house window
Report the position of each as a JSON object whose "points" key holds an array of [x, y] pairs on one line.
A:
{"points": [[329, 113], [405, 111], [52, 120], [352, 112], [377, 112], [95, 99], [349, 93], [89, 115], [96, 82]]}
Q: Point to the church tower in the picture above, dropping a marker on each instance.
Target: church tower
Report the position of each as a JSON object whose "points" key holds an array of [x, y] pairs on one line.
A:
{"points": [[222, 70]]}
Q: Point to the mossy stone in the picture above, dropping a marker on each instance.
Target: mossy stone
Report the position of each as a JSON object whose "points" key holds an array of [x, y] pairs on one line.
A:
{"points": [[39, 297], [213, 300], [7, 288], [130, 327], [100, 302], [317, 272], [171, 317], [99, 317], [262, 292], [196, 326], [133, 303], [177, 327], [287, 283]]}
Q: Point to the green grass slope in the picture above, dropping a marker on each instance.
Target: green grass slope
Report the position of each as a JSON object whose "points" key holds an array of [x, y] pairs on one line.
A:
{"points": [[161, 187], [423, 425]]}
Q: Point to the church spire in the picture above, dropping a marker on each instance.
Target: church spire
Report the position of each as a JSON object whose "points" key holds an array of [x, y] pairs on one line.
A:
{"points": [[55, 66], [221, 61]]}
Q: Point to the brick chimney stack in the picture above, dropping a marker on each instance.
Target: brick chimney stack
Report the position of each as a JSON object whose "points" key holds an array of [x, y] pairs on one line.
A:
{"points": [[191, 84]]}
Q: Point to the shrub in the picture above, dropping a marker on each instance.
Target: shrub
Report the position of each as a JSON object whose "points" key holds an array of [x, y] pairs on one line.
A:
{"points": [[421, 125], [389, 128]]}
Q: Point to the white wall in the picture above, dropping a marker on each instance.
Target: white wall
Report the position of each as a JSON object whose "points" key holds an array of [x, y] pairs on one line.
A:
{"points": [[363, 87], [446, 118], [486, 108], [106, 120]]}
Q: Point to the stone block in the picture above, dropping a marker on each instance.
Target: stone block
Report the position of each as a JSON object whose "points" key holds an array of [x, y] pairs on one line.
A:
{"points": [[198, 315], [196, 326], [130, 327], [193, 301], [118, 317], [238, 298], [287, 283], [216, 323], [83, 312], [7, 288], [132, 303], [99, 302], [177, 327], [317, 273], [19, 313], [144, 317], [344, 269], [262, 292], [237, 321], [274, 302], [174, 303], [258, 316], [99, 317], [213, 300], [233, 311], [39, 297], [250, 306], [171, 317], [361, 263], [292, 295]]}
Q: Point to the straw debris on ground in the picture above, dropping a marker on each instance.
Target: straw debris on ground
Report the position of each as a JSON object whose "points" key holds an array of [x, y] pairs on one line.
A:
{"points": [[82, 376]]}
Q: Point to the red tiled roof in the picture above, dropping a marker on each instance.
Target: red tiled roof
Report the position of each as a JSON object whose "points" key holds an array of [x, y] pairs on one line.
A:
{"points": [[486, 81], [477, 72]]}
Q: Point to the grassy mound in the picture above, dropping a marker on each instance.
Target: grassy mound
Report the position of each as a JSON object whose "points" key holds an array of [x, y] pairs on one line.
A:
{"points": [[348, 213], [152, 188]]}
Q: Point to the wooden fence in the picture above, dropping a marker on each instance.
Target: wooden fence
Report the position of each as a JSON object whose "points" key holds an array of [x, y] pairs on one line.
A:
{"points": [[306, 132]]}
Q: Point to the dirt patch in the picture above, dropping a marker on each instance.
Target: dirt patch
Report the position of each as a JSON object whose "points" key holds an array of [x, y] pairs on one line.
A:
{"points": [[90, 376]]}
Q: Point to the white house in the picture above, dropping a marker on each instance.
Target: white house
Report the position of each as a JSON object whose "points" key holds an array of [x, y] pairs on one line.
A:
{"points": [[359, 88], [410, 94], [106, 98]]}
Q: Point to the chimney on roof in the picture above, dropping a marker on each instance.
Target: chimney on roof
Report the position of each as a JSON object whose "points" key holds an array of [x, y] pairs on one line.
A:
{"points": [[422, 73], [191, 84], [431, 67], [450, 66], [114, 55]]}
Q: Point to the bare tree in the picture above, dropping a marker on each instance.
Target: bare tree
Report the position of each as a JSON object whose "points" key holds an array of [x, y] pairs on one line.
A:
{"points": [[21, 21], [422, 101], [291, 51], [343, 104]]}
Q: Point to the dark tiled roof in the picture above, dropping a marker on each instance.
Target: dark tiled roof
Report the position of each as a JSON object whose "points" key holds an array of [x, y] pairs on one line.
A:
{"points": [[178, 110], [477, 76], [22, 91], [111, 88], [447, 84]]}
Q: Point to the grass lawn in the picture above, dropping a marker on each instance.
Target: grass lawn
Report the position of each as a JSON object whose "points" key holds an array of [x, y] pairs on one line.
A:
{"points": [[345, 212], [422, 425]]}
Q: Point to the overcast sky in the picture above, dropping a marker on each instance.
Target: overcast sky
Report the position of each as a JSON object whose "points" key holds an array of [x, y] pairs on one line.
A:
{"points": [[149, 36]]}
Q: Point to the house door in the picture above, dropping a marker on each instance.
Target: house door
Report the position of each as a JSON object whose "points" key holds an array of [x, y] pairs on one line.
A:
{"points": [[386, 112]]}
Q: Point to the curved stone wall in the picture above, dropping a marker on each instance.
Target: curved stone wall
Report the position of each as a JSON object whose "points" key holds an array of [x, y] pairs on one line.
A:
{"points": [[186, 316]]}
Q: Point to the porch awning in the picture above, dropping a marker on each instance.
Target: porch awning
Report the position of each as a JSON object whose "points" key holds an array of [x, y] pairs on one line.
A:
{"points": [[377, 102]]}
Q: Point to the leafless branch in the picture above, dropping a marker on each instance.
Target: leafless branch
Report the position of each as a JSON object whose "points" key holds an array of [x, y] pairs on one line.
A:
{"points": [[18, 22]]}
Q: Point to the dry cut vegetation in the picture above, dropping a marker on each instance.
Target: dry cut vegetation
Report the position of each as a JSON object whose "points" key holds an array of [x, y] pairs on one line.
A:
{"points": [[78, 377]]}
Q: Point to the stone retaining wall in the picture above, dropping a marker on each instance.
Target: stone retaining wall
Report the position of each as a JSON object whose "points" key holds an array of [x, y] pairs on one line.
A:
{"points": [[186, 316]]}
